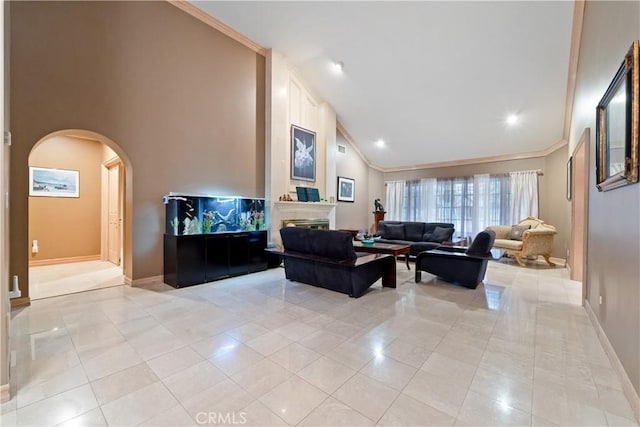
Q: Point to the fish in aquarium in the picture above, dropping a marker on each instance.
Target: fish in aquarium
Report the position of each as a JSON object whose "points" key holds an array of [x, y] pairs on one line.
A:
{"points": [[207, 221], [197, 215]]}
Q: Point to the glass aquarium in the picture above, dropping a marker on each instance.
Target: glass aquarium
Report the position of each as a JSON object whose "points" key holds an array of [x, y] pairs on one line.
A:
{"points": [[188, 214]]}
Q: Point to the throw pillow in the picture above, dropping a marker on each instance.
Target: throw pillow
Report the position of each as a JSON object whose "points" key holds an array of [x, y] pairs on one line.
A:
{"points": [[441, 234], [426, 237], [394, 231], [517, 231]]}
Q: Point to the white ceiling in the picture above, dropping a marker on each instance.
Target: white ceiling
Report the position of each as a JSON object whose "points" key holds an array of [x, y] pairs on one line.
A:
{"points": [[434, 80]]}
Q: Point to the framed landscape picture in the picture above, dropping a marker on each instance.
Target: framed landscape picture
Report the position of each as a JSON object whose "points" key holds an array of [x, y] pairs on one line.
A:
{"points": [[303, 154], [54, 182], [346, 189]]}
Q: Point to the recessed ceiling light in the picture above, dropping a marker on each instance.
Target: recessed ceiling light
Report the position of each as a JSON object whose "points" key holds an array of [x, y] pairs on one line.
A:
{"points": [[338, 66], [512, 119], [380, 143]]}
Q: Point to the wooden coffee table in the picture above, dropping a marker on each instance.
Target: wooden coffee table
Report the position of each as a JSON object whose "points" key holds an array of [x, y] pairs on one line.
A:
{"points": [[384, 248]]}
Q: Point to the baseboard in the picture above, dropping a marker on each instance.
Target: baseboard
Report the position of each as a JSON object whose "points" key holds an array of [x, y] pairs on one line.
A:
{"points": [[627, 387], [53, 261], [5, 396], [557, 261], [147, 280], [20, 302]]}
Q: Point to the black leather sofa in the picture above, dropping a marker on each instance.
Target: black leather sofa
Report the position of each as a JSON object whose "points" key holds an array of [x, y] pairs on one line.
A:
{"points": [[420, 236], [457, 265], [326, 258]]}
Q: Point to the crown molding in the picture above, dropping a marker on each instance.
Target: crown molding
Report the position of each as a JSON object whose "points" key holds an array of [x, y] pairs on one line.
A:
{"points": [[480, 160], [202, 16]]}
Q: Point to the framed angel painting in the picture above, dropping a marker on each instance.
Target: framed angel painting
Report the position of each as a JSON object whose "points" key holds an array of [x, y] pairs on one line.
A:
{"points": [[303, 154]]}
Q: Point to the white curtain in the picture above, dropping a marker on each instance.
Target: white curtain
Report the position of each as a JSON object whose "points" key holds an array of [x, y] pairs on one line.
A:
{"points": [[420, 200], [481, 203], [428, 199], [524, 195], [395, 200], [491, 195], [470, 203], [411, 200], [412, 210]]}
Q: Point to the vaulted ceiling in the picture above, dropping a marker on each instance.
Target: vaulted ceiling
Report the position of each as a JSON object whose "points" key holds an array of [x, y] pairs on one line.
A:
{"points": [[436, 81]]}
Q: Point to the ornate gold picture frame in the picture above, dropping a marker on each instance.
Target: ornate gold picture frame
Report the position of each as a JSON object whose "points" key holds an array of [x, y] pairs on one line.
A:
{"points": [[617, 126]]}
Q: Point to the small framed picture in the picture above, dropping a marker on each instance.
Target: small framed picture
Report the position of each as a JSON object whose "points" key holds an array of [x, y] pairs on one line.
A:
{"points": [[303, 154], [46, 182], [346, 189]]}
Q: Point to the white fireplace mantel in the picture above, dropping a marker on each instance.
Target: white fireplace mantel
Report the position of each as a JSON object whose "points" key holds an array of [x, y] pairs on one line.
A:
{"points": [[300, 210], [318, 210]]}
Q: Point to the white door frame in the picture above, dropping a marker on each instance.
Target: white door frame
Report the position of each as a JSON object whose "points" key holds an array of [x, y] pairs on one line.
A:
{"points": [[583, 143], [104, 208]]}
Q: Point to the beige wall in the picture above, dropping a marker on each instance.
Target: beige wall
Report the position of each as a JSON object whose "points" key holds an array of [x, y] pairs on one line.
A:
{"points": [[5, 312], [553, 207], [356, 215], [613, 248], [184, 103], [67, 227]]}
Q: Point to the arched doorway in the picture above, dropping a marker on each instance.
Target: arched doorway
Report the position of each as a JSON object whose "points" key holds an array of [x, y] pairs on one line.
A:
{"points": [[79, 206]]}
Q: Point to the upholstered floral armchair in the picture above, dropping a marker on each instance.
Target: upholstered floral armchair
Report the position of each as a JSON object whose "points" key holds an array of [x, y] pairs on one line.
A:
{"points": [[531, 236]]}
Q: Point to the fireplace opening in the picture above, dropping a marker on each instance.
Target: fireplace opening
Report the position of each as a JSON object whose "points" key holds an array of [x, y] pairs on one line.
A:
{"points": [[320, 224]]}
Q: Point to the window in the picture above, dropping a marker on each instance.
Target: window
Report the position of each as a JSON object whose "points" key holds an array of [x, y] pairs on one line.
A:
{"points": [[470, 203]]}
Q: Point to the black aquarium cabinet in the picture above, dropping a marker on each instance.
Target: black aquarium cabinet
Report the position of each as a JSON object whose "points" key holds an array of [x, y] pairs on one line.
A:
{"points": [[212, 237], [195, 259]]}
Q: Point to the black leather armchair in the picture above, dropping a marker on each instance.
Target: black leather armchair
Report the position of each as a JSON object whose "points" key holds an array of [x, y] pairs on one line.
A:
{"points": [[457, 265]]}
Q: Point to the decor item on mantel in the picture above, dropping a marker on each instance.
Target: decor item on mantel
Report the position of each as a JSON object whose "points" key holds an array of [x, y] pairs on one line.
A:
{"points": [[308, 194], [303, 154], [618, 127]]}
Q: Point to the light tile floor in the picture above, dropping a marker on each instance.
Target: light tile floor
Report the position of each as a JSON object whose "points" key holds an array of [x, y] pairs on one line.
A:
{"points": [[61, 279], [259, 350]]}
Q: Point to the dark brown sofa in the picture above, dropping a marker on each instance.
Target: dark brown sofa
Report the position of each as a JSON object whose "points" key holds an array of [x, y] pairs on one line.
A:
{"points": [[420, 236], [326, 258]]}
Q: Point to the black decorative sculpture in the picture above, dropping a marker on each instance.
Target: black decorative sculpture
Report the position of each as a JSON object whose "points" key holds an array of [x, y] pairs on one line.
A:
{"points": [[378, 206]]}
